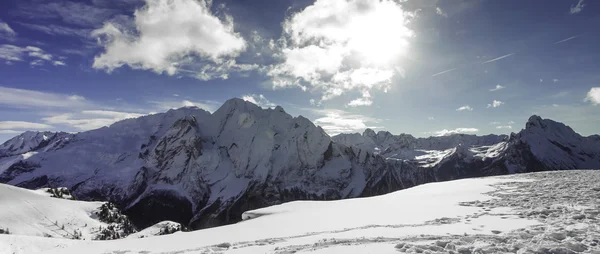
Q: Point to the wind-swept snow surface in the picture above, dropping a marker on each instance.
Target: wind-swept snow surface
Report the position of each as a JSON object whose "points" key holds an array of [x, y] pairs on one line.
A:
{"points": [[551, 212]]}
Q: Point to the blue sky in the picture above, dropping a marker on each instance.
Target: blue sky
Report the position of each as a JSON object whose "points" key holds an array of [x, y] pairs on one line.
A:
{"points": [[424, 67]]}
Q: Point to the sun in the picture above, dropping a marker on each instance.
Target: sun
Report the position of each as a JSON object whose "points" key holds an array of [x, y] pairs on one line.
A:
{"points": [[380, 36]]}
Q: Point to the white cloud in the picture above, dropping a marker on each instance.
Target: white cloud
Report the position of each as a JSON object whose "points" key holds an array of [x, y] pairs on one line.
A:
{"points": [[555, 80], [498, 58], [23, 125], [164, 105], [57, 63], [465, 107], [495, 123], [335, 121], [12, 53], [593, 96], [360, 102], [89, 119], [577, 8], [10, 132], [21, 98], [71, 12], [430, 118], [37, 62], [6, 31], [504, 127], [498, 87], [495, 104], [446, 132], [335, 46], [443, 72], [259, 100], [53, 29], [169, 37], [440, 12], [511, 122]]}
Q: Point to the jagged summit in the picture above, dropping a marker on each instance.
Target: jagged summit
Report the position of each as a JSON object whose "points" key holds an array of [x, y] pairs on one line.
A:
{"points": [[202, 169]]}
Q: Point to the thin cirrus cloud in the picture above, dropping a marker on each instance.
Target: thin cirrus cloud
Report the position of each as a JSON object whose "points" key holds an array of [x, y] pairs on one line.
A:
{"points": [[465, 108], [169, 37], [35, 55], [89, 119], [6, 31], [577, 8], [22, 98], [567, 39], [443, 72], [337, 46], [498, 58], [4, 125], [16, 127], [593, 96], [52, 29], [498, 87], [71, 12]]}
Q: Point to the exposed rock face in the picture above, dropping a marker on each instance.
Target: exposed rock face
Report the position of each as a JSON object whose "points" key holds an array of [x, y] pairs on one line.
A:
{"points": [[202, 169]]}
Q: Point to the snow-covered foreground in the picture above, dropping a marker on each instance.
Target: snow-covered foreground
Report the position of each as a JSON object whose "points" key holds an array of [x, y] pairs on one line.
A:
{"points": [[553, 212]]}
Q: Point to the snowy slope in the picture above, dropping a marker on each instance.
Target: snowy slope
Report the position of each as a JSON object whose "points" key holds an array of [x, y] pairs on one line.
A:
{"points": [[554, 212], [202, 170], [34, 213]]}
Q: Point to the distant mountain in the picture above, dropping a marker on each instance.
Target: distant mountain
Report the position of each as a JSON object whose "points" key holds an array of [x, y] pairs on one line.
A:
{"points": [[202, 169]]}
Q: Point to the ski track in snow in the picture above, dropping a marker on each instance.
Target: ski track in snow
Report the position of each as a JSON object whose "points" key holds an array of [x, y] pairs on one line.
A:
{"points": [[556, 212]]}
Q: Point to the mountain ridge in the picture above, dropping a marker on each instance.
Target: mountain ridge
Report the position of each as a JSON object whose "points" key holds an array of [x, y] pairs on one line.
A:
{"points": [[203, 170]]}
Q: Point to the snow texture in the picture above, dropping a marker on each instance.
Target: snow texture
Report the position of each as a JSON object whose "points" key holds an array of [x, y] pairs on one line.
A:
{"points": [[549, 212], [203, 170]]}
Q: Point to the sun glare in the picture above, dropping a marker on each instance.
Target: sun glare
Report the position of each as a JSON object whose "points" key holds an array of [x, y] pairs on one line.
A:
{"points": [[380, 35]]}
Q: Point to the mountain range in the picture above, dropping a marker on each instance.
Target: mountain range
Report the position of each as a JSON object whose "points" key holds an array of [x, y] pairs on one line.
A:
{"points": [[205, 169]]}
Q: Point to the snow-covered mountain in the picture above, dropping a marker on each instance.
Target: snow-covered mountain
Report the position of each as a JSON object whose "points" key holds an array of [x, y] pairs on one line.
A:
{"points": [[202, 169]]}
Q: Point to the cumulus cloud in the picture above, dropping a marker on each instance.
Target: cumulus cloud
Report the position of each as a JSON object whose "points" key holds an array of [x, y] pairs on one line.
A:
{"points": [[593, 96], [335, 46], [465, 108], [430, 118], [446, 132], [259, 100], [577, 8], [504, 127], [335, 121], [498, 87], [6, 31], [89, 119], [495, 104], [12, 125], [22, 98], [172, 37], [360, 102]]}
